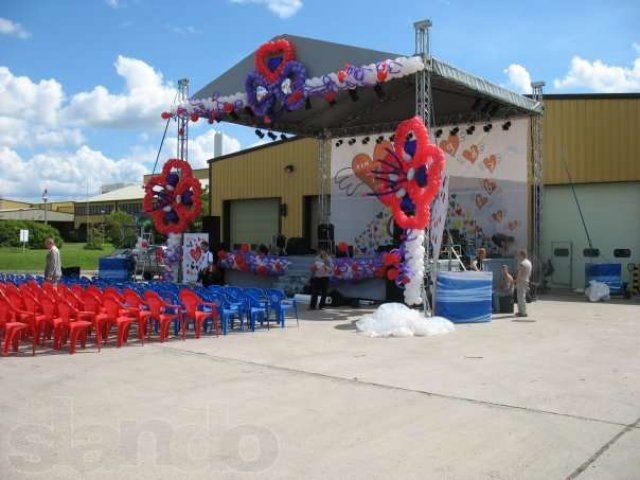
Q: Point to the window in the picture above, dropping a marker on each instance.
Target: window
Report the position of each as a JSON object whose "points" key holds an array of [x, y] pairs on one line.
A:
{"points": [[591, 252], [561, 252], [622, 253]]}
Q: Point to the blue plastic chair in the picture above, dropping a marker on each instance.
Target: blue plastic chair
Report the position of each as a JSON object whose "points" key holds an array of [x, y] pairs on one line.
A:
{"points": [[280, 304], [256, 311]]}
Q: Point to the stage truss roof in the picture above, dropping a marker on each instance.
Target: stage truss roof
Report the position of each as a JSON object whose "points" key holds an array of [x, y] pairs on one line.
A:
{"points": [[458, 97]]}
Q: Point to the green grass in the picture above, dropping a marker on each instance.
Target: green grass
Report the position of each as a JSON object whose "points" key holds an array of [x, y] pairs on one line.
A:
{"points": [[73, 255]]}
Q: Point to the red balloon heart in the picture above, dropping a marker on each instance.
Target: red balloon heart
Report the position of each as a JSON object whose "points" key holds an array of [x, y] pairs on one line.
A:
{"points": [[196, 253], [281, 50]]}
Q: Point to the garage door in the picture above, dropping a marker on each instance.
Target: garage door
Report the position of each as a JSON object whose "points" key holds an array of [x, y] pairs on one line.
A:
{"points": [[254, 221]]}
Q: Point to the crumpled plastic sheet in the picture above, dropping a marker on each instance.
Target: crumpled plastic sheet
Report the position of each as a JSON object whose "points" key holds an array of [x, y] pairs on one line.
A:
{"points": [[597, 291], [398, 320]]}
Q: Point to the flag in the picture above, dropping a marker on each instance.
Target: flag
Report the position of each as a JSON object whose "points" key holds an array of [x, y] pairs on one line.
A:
{"points": [[45, 194]]}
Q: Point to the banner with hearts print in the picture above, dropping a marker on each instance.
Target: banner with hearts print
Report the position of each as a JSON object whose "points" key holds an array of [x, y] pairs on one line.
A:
{"points": [[193, 257]]}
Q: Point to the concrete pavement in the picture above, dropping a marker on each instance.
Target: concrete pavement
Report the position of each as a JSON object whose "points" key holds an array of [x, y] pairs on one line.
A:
{"points": [[555, 397]]}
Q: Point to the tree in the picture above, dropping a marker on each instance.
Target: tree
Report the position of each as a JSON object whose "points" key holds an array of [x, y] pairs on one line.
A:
{"points": [[120, 229]]}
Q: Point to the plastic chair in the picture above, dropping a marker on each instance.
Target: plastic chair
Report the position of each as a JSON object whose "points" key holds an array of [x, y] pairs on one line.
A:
{"points": [[160, 314], [280, 305], [256, 311], [226, 310], [13, 330], [114, 315], [25, 310], [136, 307], [192, 304], [65, 326]]}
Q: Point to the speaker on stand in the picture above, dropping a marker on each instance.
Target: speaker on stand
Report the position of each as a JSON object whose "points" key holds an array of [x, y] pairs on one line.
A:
{"points": [[326, 239]]}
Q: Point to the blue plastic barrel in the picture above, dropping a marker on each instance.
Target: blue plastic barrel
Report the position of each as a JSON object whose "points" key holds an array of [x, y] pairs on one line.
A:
{"points": [[464, 297]]}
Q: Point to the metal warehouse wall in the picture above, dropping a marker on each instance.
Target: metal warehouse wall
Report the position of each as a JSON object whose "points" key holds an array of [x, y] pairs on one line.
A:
{"points": [[598, 134], [260, 173]]}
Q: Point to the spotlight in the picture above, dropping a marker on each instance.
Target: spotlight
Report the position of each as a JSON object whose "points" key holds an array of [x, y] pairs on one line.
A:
{"points": [[487, 128], [380, 139], [365, 140], [352, 141], [379, 91], [438, 133], [307, 104], [339, 142], [454, 131], [471, 129], [259, 133], [272, 135], [506, 125], [353, 94], [392, 138], [283, 137]]}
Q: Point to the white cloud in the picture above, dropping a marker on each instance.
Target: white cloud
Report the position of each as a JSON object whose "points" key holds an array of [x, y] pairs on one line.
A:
{"points": [[282, 8], [8, 27], [598, 76], [113, 3], [66, 174], [145, 96], [188, 30], [202, 147], [519, 78]]}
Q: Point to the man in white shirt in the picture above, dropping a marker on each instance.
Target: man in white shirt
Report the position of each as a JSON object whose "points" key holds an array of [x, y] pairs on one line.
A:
{"points": [[53, 267], [206, 265], [522, 281], [321, 270]]}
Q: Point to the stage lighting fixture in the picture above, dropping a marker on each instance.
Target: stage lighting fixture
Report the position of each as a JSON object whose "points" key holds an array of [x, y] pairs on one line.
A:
{"points": [[380, 139], [283, 137], [392, 138], [307, 104], [365, 140], [379, 91], [506, 125], [471, 129], [259, 133], [272, 135], [454, 131], [487, 128], [353, 94], [438, 133], [352, 141], [339, 142]]}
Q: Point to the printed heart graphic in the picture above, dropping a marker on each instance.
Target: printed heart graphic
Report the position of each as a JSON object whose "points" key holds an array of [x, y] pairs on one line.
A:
{"points": [[489, 186], [195, 253], [513, 224], [481, 201], [490, 162], [498, 216], [450, 145], [471, 155], [272, 57], [364, 167]]}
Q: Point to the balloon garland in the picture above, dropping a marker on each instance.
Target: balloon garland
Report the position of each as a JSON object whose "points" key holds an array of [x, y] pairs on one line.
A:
{"points": [[259, 264], [172, 198], [407, 182]]}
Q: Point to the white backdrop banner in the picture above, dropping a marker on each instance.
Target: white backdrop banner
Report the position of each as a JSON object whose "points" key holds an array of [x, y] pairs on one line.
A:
{"points": [[439, 210], [192, 256]]}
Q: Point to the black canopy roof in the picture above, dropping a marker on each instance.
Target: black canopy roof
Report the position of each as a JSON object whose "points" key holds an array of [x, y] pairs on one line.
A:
{"points": [[457, 96]]}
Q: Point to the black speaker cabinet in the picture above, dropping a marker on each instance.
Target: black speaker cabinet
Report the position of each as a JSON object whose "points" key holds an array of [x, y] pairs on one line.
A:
{"points": [[211, 225]]}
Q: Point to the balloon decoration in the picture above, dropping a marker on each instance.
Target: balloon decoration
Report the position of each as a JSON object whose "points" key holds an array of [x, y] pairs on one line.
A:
{"points": [[356, 269], [172, 198], [170, 257], [280, 83], [257, 263]]}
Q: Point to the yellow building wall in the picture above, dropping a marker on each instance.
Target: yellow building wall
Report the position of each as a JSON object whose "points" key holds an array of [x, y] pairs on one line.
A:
{"points": [[260, 173], [6, 204], [599, 137]]}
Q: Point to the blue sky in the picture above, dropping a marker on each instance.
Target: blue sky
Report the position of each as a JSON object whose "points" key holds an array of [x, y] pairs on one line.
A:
{"points": [[82, 82]]}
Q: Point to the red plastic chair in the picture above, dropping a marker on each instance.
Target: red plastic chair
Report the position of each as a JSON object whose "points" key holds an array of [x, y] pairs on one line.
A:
{"points": [[136, 307], [115, 315], [49, 311], [191, 303], [13, 330], [25, 310], [158, 308], [66, 326], [90, 308]]}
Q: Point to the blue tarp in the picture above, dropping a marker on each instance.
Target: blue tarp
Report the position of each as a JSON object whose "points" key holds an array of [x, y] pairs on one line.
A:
{"points": [[608, 273]]}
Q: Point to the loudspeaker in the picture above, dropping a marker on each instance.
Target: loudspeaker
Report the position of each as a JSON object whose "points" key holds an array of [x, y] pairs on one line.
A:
{"points": [[325, 232], [211, 225]]}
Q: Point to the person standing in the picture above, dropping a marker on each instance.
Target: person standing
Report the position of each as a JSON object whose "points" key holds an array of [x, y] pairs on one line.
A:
{"points": [[321, 270], [206, 267], [505, 288], [477, 265], [522, 281], [53, 265]]}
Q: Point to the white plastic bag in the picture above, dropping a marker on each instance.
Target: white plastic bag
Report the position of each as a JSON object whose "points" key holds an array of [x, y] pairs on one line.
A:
{"points": [[398, 320], [597, 291]]}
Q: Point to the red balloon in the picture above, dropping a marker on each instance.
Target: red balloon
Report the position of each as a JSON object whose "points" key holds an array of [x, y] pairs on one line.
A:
{"points": [[194, 117], [244, 248], [342, 75], [222, 254], [343, 247], [228, 107], [392, 274], [165, 115]]}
